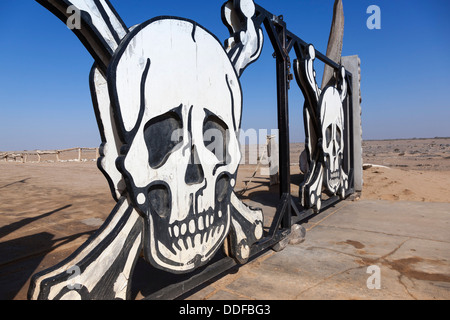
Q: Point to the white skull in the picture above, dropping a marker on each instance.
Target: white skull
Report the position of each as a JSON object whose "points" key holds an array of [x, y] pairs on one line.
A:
{"points": [[332, 124], [173, 86]]}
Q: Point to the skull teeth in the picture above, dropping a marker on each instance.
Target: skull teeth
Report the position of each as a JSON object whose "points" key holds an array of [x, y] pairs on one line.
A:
{"points": [[191, 226], [334, 178], [193, 242], [195, 231]]}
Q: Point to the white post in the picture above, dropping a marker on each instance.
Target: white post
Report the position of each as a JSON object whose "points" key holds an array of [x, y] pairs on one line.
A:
{"points": [[353, 65]]}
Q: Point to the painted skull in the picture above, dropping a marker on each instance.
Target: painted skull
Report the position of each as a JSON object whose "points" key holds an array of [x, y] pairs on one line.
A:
{"points": [[181, 151], [332, 124]]}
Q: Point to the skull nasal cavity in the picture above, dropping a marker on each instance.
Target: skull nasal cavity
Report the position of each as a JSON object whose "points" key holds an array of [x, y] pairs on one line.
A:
{"points": [[194, 171]]}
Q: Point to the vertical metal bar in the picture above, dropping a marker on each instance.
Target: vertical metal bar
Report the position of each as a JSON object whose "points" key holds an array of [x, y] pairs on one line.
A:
{"points": [[283, 124]]}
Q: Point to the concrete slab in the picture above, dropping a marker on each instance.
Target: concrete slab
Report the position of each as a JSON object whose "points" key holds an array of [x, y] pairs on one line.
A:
{"points": [[401, 218], [409, 243]]}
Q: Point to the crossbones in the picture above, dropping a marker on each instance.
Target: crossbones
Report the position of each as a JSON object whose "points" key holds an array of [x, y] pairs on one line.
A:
{"points": [[324, 130], [168, 102]]}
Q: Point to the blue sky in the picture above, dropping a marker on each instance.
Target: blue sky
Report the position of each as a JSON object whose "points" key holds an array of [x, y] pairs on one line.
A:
{"points": [[45, 100]]}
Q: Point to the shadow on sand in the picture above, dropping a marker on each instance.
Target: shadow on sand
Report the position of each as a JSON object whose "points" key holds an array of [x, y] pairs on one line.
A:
{"points": [[19, 258]]}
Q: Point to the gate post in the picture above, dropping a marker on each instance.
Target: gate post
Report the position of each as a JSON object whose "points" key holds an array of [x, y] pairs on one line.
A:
{"points": [[353, 65]]}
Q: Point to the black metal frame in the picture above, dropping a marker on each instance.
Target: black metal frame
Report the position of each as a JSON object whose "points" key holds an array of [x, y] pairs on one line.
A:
{"points": [[288, 212]]}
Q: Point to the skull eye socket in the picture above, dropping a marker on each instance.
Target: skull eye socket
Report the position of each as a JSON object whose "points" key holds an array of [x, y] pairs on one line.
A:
{"points": [[328, 135], [338, 136], [162, 135], [215, 137]]}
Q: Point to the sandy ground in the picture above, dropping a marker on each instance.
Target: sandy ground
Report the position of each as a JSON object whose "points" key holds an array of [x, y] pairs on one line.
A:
{"points": [[53, 207], [408, 170], [418, 170]]}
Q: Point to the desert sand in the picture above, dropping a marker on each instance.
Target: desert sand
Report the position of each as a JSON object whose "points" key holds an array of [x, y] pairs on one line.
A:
{"points": [[416, 170], [49, 209]]}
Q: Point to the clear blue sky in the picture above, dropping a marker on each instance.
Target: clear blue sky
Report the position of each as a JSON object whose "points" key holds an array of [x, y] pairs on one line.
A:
{"points": [[45, 101]]}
